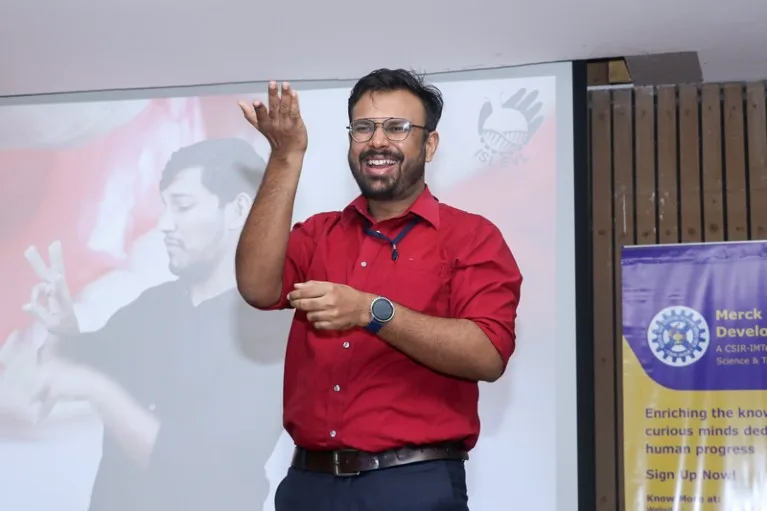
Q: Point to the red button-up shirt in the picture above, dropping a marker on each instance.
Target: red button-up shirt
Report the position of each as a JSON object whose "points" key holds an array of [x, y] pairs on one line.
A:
{"points": [[351, 389]]}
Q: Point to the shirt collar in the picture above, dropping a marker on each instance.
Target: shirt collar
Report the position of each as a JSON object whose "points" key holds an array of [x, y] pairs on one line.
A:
{"points": [[425, 206]]}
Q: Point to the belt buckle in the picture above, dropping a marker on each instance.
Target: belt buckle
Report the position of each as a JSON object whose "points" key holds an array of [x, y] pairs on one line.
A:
{"points": [[337, 465]]}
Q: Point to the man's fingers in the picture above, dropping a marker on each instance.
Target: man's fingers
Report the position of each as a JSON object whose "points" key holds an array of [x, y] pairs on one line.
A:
{"points": [[40, 289], [249, 112], [322, 315], [256, 113], [36, 261], [295, 112], [61, 293], [35, 309], [285, 99], [57, 277], [314, 286], [311, 289], [56, 257], [262, 114], [274, 100], [330, 324], [40, 313], [308, 304]]}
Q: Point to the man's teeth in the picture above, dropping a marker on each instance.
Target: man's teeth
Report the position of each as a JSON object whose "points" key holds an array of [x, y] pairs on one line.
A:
{"points": [[380, 163]]}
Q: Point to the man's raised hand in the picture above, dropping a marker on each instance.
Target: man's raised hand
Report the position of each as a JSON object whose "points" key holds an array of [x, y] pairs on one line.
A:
{"points": [[280, 122]]}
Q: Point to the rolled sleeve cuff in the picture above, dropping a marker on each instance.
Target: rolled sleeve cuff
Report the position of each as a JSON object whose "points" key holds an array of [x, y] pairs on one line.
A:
{"points": [[500, 337]]}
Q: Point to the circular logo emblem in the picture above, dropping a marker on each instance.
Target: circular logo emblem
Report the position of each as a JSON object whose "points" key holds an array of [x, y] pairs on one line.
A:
{"points": [[678, 336]]}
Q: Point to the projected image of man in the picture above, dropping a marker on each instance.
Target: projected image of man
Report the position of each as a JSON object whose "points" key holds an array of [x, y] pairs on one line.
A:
{"points": [[187, 377]]}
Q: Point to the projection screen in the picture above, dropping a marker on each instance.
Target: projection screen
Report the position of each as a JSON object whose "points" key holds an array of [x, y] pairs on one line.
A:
{"points": [[119, 306]]}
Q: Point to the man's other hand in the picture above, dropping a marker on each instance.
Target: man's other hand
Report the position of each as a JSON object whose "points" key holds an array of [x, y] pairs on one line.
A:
{"points": [[331, 306]]}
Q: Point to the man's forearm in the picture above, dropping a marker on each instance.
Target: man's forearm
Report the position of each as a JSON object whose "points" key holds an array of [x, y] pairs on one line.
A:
{"points": [[457, 347], [134, 428], [260, 254]]}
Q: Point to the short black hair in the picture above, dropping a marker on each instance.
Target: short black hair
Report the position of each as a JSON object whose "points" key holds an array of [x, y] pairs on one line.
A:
{"points": [[230, 166], [388, 80]]}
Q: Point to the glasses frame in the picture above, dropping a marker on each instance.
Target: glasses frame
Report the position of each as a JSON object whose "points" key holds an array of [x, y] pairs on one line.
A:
{"points": [[377, 123]]}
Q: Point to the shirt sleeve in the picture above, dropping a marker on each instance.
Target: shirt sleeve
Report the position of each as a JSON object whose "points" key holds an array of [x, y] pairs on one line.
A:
{"points": [[301, 246], [99, 349], [486, 287]]}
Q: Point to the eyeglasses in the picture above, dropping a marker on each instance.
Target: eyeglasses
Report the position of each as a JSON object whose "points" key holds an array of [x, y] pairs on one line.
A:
{"points": [[396, 130]]}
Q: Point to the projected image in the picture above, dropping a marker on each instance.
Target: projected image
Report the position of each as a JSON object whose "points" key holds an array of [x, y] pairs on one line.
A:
{"points": [[132, 374], [184, 376]]}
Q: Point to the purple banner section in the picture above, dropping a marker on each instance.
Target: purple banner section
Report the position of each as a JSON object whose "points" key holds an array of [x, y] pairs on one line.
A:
{"points": [[696, 315]]}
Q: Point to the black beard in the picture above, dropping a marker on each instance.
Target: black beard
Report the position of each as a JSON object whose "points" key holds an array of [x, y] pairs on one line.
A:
{"points": [[409, 174]]}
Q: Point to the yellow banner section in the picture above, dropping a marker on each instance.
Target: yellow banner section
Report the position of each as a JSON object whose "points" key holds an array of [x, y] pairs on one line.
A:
{"points": [[696, 450]]}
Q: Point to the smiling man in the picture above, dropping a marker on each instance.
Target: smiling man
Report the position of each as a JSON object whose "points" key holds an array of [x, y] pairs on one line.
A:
{"points": [[403, 304]]}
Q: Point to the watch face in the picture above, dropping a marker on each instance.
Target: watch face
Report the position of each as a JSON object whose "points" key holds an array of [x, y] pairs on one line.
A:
{"points": [[382, 309]]}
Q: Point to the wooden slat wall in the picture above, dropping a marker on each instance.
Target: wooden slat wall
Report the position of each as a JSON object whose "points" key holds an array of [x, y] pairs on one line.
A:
{"points": [[669, 164]]}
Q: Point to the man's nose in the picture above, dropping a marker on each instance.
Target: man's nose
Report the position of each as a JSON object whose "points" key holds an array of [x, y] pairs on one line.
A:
{"points": [[379, 137], [165, 222]]}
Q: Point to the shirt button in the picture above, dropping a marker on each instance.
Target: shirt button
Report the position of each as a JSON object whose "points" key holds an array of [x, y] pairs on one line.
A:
{"points": [[337, 388], [151, 407], [346, 344], [363, 263], [333, 434]]}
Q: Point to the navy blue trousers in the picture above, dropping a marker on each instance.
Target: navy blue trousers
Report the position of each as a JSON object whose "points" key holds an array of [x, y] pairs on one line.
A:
{"points": [[426, 486]]}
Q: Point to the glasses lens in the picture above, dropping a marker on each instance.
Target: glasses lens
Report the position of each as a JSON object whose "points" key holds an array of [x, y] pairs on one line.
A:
{"points": [[362, 130], [396, 129]]}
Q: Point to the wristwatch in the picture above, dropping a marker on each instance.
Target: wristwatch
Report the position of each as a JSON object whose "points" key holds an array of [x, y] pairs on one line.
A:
{"points": [[381, 311]]}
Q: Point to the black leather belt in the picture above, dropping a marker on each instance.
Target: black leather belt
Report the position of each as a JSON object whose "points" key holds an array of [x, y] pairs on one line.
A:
{"points": [[350, 462]]}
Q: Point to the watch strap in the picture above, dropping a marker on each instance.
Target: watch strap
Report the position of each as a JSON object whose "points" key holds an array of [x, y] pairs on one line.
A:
{"points": [[374, 326]]}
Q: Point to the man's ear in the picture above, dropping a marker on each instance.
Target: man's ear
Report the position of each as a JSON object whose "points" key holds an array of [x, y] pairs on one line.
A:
{"points": [[432, 142], [237, 211]]}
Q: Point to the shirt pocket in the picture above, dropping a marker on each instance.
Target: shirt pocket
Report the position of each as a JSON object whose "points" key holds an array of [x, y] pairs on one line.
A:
{"points": [[318, 269], [423, 286]]}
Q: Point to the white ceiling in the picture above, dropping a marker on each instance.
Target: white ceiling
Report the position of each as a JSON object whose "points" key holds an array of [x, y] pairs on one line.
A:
{"points": [[77, 45]]}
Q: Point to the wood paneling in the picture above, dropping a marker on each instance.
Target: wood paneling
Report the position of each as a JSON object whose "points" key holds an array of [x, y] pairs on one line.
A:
{"points": [[756, 140], [669, 164], [604, 363]]}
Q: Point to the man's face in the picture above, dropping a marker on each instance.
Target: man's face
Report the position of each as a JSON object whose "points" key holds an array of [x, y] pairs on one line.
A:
{"points": [[194, 224], [386, 169]]}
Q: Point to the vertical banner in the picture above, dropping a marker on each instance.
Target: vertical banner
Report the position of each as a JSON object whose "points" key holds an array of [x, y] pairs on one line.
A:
{"points": [[695, 377]]}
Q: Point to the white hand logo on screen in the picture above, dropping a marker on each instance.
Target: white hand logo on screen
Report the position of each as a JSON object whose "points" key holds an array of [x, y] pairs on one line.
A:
{"points": [[505, 126], [51, 302]]}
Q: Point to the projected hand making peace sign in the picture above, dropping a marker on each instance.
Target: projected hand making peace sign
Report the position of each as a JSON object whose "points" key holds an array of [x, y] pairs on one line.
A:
{"points": [[51, 301]]}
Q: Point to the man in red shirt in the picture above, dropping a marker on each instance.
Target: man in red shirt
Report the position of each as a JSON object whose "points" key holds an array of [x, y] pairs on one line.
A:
{"points": [[402, 305]]}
